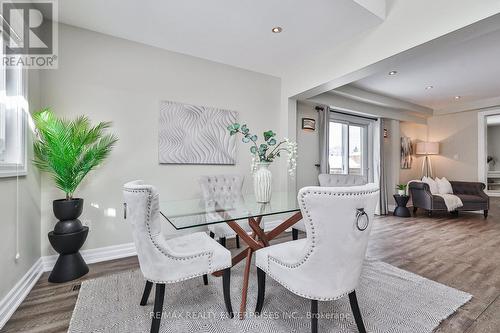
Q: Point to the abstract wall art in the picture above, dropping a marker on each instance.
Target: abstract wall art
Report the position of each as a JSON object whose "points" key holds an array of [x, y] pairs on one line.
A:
{"points": [[190, 134], [406, 153]]}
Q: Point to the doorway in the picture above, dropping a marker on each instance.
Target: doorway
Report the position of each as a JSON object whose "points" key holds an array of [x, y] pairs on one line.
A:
{"points": [[489, 150]]}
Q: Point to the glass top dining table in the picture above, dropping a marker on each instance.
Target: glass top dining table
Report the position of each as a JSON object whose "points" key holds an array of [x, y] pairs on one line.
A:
{"points": [[190, 213], [185, 214]]}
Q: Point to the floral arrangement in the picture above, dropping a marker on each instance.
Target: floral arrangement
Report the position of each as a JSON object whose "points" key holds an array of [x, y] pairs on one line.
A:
{"points": [[268, 151]]}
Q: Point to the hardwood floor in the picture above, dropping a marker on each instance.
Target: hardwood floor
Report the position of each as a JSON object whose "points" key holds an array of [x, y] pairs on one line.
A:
{"points": [[462, 252]]}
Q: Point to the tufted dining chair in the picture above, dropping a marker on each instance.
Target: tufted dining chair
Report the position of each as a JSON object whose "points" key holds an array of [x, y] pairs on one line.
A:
{"points": [[226, 190], [330, 180], [164, 261], [327, 264]]}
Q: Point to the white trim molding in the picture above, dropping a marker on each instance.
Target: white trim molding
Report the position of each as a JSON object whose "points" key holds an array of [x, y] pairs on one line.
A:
{"points": [[482, 148], [11, 301]]}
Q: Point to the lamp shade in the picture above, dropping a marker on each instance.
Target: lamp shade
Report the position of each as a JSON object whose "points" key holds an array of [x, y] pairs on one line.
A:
{"points": [[427, 148]]}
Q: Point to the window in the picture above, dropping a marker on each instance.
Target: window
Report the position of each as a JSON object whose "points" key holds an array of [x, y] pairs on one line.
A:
{"points": [[349, 146], [13, 119]]}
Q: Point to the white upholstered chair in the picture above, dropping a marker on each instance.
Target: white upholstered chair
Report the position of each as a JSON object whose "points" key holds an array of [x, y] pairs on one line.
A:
{"points": [[227, 190], [327, 264], [330, 180], [334, 180], [164, 261]]}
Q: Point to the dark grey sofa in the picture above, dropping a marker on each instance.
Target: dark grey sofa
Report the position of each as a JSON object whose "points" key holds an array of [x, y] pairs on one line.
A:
{"points": [[471, 193]]}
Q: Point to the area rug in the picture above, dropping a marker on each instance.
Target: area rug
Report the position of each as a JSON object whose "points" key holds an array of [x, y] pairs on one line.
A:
{"points": [[391, 300]]}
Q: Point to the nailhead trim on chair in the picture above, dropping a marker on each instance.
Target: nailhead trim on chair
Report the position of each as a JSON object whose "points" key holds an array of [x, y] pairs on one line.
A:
{"points": [[306, 215], [213, 270], [159, 248]]}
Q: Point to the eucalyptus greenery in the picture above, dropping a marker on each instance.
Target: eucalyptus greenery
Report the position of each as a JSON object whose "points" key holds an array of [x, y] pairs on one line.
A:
{"points": [[270, 149], [69, 149]]}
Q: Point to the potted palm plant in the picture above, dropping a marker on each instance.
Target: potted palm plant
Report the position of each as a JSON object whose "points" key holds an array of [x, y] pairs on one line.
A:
{"points": [[68, 150]]}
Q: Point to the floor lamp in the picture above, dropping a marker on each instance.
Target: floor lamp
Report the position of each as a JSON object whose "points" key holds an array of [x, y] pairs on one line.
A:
{"points": [[427, 148]]}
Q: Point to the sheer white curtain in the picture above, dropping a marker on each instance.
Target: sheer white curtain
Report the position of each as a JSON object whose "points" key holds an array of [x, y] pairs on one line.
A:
{"points": [[378, 167], [323, 128]]}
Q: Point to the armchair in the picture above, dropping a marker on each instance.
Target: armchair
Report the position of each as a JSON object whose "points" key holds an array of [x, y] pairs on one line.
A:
{"points": [[163, 261], [327, 264]]}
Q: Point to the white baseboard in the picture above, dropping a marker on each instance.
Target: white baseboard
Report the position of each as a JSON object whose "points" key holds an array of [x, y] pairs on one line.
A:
{"points": [[18, 293], [96, 255], [10, 303]]}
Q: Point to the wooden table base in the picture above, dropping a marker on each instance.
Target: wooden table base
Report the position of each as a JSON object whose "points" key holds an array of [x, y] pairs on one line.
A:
{"points": [[258, 240]]}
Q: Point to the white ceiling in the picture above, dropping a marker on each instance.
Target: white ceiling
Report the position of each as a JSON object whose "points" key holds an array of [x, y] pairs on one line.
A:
{"points": [[470, 69], [234, 32]]}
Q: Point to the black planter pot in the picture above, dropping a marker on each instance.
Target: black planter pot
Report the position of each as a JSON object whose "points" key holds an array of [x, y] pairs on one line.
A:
{"points": [[67, 209], [67, 238], [70, 264], [68, 227]]}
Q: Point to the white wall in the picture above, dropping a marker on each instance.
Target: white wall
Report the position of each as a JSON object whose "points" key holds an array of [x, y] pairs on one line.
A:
{"points": [[113, 79], [20, 197], [308, 148], [458, 138]]}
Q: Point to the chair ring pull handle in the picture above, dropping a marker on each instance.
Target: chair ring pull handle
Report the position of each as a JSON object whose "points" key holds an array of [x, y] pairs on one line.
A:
{"points": [[360, 212]]}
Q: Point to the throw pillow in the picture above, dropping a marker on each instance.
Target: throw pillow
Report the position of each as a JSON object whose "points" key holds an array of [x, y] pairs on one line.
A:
{"points": [[432, 185], [444, 186]]}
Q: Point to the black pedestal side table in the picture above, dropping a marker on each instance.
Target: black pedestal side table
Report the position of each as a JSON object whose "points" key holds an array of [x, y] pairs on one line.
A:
{"points": [[401, 210], [70, 264]]}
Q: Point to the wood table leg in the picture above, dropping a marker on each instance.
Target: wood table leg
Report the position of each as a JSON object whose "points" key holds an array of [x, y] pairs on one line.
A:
{"points": [[255, 225], [288, 223], [244, 289], [253, 246]]}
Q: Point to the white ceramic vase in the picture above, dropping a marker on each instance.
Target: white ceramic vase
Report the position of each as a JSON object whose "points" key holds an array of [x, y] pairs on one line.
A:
{"points": [[262, 181]]}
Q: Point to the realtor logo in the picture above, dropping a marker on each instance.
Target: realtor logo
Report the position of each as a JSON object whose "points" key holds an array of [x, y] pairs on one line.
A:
{"points": [[29, 33]]}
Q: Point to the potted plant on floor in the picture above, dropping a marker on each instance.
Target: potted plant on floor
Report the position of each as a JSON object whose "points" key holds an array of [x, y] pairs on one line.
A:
{"points": [[68, 150]]}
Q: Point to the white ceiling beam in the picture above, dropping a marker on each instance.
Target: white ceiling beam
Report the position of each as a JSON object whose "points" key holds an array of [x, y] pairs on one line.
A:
{"points": [[380, 100], [369, 54], [357, 107], [469, 106]]}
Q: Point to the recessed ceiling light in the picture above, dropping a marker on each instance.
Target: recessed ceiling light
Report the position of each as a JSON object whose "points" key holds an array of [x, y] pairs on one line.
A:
{"points": [[429, 87], [277, 30], [391, 73], [458, 97]]}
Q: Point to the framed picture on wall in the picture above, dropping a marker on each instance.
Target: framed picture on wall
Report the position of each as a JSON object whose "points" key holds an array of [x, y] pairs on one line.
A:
{"points": [[406, 153], [308, 124]]}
